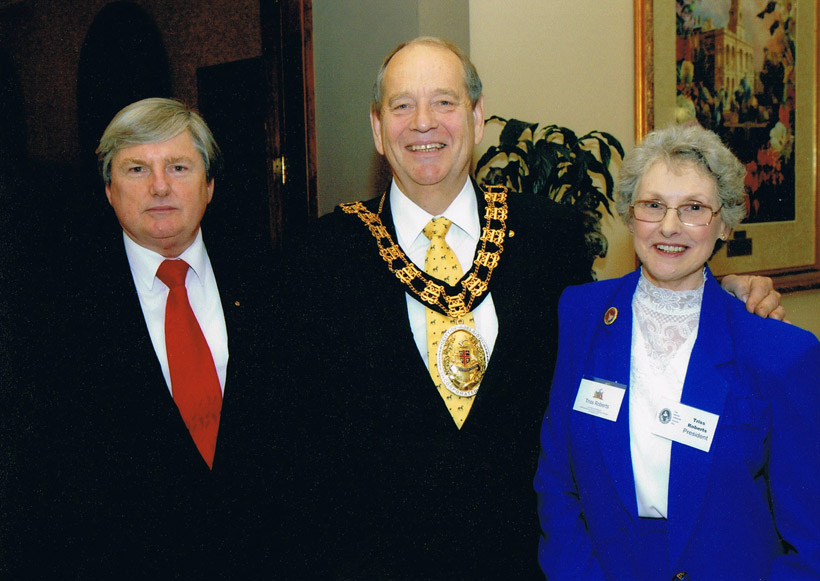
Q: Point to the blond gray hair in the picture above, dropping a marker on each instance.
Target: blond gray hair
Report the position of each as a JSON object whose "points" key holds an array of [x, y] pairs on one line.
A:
{"points": [[471, 79], [153, 120]]}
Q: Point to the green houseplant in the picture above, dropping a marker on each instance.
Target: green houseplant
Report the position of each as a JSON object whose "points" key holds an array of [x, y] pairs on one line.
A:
{"points": [[553, 161]]}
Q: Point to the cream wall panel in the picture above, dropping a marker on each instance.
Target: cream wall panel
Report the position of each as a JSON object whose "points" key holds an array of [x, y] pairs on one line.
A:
{"points": [[568, 62]]}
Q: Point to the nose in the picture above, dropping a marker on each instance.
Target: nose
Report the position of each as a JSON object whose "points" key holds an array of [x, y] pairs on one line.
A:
{"points": [[425, 118], [671, 223], [159, 183]]}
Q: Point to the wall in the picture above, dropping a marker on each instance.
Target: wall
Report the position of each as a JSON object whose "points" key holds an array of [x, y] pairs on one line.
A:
{"points": [[802, 309], [574, 64], [571, 65], [44, 39], [543, 86]]}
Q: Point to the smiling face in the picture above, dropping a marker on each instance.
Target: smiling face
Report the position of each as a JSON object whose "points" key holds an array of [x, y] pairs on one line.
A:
{"points": [[427, 126], [159, 192], [673, 254]]}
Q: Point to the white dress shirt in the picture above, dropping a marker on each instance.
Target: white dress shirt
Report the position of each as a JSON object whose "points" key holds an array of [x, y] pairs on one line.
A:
{"points": [[203, 295], [664, 329], [463, 237]]}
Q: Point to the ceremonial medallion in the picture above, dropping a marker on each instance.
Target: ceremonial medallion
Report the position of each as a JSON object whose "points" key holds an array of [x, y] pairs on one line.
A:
{"points": [[462, 360]]}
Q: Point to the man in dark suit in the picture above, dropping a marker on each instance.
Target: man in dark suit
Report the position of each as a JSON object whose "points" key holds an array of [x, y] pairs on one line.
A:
{"points": [[429, 338], [157, 426]]}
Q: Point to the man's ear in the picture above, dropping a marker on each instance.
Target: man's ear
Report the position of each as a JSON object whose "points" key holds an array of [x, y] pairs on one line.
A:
{"points": [[210, 190], [478, 119], [108, 193], [376, 126]]}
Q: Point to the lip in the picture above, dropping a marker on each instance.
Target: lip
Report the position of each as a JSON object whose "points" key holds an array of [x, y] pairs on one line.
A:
{"points": [[160, 209], [426, 148], [670, 250]]}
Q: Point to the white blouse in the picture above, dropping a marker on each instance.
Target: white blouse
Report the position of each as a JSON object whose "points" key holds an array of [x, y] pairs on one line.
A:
{"points": [[664, 329]]}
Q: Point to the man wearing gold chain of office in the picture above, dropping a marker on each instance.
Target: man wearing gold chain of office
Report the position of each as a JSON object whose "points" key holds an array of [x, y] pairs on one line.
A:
{"points": [[430, 337]]}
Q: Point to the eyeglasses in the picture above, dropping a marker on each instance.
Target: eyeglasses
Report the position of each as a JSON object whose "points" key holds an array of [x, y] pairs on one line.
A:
{"points": [[689, 214]]}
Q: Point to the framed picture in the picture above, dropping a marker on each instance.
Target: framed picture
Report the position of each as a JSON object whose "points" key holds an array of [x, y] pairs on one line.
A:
{"points": [[748, 70]]}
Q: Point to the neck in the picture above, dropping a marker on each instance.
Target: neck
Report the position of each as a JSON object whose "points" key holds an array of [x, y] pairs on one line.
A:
{"points": [[433, 200]]}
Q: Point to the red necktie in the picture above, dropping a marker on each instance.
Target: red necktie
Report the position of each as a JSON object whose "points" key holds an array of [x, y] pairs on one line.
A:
{"points": [[193, 374]]}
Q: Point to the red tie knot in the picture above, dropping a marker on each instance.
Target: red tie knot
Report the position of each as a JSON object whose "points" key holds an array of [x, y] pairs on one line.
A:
{"points": [[173, 272]]}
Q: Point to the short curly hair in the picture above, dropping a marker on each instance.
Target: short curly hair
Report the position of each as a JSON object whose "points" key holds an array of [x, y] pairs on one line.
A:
{"points": [[681, 145]]}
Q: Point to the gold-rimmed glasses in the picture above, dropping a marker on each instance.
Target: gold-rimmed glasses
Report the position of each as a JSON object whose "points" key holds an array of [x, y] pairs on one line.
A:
{"points": [[691, 214]]}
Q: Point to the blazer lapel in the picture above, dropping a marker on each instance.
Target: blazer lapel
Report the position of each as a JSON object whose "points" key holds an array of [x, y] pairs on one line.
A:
{"points": [[705, 388], [609, 360], [128, 353], [391, 313], [234, 307]]}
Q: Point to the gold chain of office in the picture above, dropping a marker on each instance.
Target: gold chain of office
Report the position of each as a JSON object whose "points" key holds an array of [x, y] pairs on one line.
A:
{"points": [[453, 301]]}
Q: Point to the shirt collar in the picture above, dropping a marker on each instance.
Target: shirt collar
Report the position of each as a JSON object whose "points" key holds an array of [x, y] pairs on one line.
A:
{"points": [[145, 262], [410, 219]]}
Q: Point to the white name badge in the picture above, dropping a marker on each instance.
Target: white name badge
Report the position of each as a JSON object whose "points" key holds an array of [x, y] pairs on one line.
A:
{"points": [[599, 398], [686, 425]]}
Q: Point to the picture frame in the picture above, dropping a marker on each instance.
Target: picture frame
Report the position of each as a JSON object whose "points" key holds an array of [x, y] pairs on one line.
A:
{"points": [[785, 247]]}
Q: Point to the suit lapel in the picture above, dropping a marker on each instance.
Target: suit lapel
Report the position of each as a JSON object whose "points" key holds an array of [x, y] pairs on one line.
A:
{"points": [[234, 306], [243, 284], [705, 388], [609, 360], [496, 374], [128, 322], [404, 353], [136, 388]]}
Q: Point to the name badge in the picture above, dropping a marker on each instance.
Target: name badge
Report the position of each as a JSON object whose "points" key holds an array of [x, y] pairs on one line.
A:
{"points": [[599, 398], [686, 425]]}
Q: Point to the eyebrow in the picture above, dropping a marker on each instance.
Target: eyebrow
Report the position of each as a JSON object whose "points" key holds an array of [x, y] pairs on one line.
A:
{"points": [[694, 199], [166, 160], [435, 93], [446, 92]]}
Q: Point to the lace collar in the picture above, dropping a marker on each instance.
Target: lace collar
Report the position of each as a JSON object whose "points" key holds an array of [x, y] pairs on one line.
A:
{"points": [[669, 302]]}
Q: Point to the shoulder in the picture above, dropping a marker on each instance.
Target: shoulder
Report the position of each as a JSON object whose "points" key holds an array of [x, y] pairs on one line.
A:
{"points": [[549, 236], [334, 248], [540, 213], [241, 269], [344, 222], [602, 288], [768, 343], [93, 272], [581, 298]]}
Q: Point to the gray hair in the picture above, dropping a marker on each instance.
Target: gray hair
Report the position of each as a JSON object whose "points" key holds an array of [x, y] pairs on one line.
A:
{"points": [[471, 78], [679, 145], [153, 120]]}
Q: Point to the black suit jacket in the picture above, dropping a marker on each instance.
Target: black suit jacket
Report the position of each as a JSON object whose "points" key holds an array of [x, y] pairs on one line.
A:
{"points": [[397, 490], [119, 486]]}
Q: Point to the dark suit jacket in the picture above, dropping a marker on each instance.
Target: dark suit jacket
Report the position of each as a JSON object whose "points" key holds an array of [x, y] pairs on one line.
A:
{"points": [[397, 491], [747, 509], [123, 490]]}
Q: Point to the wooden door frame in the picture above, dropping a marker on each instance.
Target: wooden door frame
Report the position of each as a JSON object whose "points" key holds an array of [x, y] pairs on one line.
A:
{"points": [[287, 47]]}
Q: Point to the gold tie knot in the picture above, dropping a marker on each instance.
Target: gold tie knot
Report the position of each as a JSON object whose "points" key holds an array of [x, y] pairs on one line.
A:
{"points": [[437, 228]]}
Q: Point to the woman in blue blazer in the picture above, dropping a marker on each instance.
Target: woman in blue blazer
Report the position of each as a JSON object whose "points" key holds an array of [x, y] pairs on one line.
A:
{"points": [[682, 439]]}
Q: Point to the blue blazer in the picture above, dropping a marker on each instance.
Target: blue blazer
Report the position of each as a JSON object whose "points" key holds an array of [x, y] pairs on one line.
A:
{"points": [[747, 509]]}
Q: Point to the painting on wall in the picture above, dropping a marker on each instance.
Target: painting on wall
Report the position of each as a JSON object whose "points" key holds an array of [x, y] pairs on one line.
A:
{"points": [[747, 70]]}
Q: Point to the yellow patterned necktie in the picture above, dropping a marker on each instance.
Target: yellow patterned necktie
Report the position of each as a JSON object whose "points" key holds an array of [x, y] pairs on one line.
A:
{"points": [[441, 262]]}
